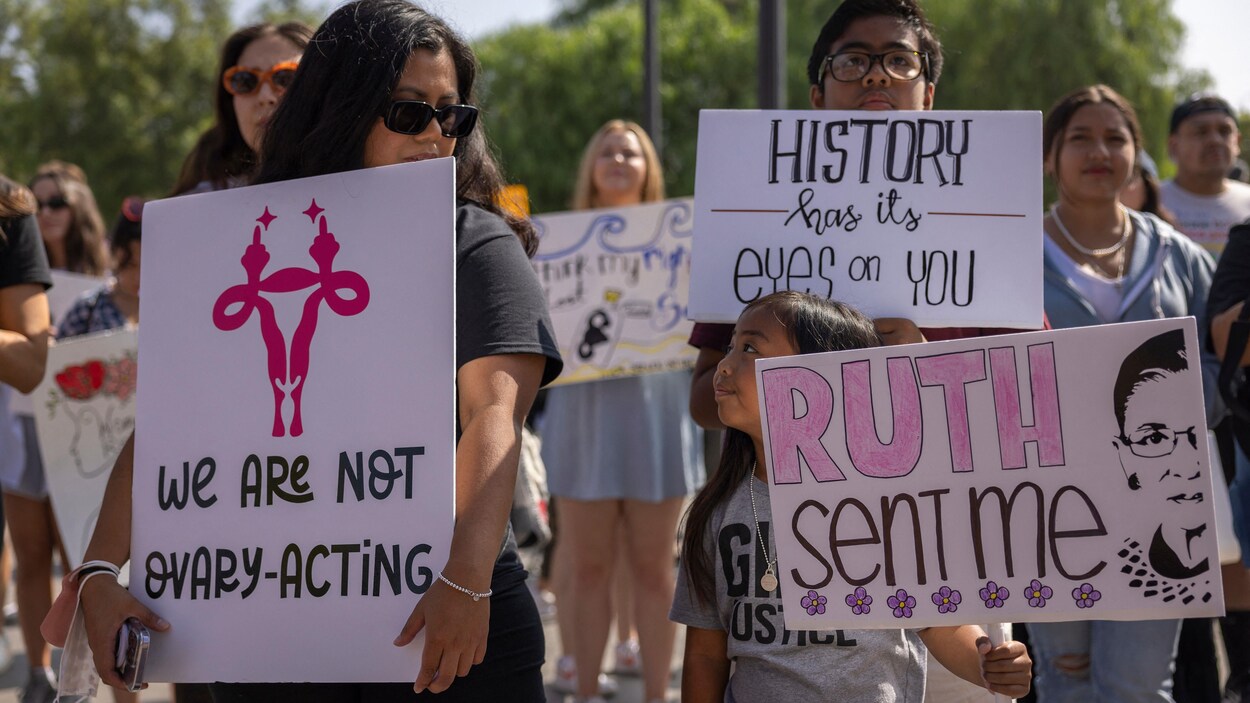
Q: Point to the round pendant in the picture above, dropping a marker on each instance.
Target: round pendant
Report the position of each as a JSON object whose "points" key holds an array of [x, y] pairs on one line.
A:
{"points": [[768, 582]]}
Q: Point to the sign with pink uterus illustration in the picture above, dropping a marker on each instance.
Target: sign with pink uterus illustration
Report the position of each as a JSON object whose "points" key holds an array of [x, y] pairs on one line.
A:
{"points": [[1048, 476], [295, 434]]}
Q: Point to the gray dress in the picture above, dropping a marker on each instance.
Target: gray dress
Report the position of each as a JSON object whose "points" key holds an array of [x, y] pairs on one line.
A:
{"points": [[625, 438]]}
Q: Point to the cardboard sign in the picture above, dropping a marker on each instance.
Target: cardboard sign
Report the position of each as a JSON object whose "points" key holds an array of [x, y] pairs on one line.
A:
{"points": [[931, 216], [616, 283], [294, 459], [66, 287], [84, 411], [1046, 476]]}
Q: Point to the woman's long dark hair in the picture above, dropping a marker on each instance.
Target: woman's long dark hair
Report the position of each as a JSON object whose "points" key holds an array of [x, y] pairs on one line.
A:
{"points": [[344, 85], [220, 153], [815, 325]]}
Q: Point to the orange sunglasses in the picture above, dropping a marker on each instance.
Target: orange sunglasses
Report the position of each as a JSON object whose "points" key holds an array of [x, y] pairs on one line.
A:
{"points": [[240, 80]]}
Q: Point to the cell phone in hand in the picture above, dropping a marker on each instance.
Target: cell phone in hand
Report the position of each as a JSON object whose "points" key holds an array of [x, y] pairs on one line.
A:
{"points": [[133, 641]]}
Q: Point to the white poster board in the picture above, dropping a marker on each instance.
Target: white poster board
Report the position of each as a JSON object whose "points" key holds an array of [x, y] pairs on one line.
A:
{"points": [[294, 461], [84, 411], [990, 479], [616, 282], [930, 216], [66, 287]]}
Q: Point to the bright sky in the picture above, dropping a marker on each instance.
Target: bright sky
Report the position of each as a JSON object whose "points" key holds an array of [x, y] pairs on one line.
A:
{"points": [[1215, 40]]}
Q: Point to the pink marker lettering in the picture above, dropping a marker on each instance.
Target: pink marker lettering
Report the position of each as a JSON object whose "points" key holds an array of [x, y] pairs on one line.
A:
{"points": [[952, 372], [869, 454], [792, 436], [1046, 429]]}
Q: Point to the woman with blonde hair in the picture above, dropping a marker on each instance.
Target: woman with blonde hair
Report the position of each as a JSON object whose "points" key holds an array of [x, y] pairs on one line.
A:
{"points": [[621, 456]]}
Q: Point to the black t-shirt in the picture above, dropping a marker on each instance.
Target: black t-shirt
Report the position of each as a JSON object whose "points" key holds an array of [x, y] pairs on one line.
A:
{"points": [[22, 257], [500, 307]]}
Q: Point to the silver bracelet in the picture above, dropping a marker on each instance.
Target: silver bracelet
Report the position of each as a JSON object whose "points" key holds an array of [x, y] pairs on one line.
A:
{"points": [[472, 594]]}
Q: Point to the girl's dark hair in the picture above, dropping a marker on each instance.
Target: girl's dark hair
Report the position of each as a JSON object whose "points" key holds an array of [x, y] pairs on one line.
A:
{"points": [[1060, 114], [815, 325], [1153, 202], [128, 228], [343, 86], [220, 153], [84, 240]]}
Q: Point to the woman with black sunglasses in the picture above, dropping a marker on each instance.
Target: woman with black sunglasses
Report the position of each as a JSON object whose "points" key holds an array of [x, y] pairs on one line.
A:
{"points": [[390, 83]]}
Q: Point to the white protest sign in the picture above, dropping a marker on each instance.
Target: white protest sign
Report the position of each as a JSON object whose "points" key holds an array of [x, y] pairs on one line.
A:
{"points": [[931, 216], [84, 411], [66, 287], [294, 459], [1047, 476], [616, 282]]}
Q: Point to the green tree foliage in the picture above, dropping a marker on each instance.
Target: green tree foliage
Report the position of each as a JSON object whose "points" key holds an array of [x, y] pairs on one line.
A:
{"points": [[310, 12], [120, 87], [548, 89]]}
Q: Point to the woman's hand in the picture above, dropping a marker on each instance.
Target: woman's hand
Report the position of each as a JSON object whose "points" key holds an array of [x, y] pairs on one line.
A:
{"points": [[455, 635], [106, 605], [1007, 668], [898, 330]]}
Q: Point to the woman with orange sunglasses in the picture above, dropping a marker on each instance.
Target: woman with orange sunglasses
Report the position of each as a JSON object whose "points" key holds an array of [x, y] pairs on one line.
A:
{"points": [[257, 65]]}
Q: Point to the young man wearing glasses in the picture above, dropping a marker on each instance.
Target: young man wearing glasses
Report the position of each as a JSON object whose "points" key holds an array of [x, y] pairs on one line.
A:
{"points": [[870, 55]]}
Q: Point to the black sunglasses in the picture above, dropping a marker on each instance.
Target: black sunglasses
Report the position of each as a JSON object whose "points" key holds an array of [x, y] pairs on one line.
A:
{"points": [[413, 116], [57, 203]]}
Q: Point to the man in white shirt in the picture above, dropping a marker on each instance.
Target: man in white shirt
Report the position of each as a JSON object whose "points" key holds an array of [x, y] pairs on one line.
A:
{"points": [[1204, 142]]}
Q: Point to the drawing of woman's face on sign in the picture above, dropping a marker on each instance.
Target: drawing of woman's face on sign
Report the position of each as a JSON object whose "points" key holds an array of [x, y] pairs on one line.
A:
{"points": [[1158, 447]]}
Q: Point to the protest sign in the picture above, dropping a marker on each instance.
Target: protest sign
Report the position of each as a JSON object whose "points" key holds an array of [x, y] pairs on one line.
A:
{"points": [[931, 216], [294, 458], [1047, 476], [616, 282], [66, 287], [84, 411]]}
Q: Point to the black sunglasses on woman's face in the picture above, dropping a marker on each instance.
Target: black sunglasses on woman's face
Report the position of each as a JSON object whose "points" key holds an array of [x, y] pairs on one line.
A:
{"points": [[413, 116]]}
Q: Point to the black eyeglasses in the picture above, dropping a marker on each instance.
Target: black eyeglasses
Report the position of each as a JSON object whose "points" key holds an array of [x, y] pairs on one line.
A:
{"points": [[413, 116], [1154, 441], [851, 66], [57, 203]]}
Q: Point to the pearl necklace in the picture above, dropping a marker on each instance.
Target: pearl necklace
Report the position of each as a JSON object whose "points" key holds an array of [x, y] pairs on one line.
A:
{"points": [[1124, 232], [768, 581]]}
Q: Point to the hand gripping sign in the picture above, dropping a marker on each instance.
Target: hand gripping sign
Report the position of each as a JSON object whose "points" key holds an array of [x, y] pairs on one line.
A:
{"points": [[1047, 476]]}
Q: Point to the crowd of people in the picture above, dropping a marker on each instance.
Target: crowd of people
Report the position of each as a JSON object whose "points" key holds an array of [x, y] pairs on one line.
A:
{"points": [[388, 83]]}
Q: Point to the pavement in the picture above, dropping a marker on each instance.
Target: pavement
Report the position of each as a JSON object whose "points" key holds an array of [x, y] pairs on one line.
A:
{"points": [[631, 691]]}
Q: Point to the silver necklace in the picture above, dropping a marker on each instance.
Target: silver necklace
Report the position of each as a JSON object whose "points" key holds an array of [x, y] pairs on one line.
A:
{"points": [[768, 581], [1124, 230]]}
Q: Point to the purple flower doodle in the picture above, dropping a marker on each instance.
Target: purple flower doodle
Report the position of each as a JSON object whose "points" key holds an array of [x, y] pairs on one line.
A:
{"points": [[859, 601], [901, 604], [1038, 593], [993, 595], [814, 603], [947, 600], [1085, 596]]}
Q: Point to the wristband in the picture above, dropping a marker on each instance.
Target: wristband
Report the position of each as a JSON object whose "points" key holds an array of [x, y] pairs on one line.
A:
{"points": [[473, 594]]}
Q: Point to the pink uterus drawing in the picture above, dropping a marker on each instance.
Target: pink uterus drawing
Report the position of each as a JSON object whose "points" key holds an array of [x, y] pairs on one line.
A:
{"points": [[326, 283]]}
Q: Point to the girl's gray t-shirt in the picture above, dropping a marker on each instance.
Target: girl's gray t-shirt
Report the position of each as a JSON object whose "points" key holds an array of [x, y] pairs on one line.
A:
{"points": [[772, 663]]}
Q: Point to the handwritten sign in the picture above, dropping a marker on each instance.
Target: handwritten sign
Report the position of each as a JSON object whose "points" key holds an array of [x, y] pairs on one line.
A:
{"points": [[931, 216], [84, 411], [1047, 476], [616, 283], [295, 430]]}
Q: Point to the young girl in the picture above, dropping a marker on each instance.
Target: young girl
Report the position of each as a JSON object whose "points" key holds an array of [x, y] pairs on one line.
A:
{"points": [[730, 620]]}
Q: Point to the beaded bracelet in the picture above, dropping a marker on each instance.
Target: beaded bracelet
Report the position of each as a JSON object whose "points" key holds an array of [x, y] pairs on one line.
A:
{"points": [[473, 594]]}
